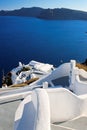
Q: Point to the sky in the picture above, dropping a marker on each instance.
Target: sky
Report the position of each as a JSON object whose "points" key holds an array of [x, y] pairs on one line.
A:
{"points": [[17, 4]]}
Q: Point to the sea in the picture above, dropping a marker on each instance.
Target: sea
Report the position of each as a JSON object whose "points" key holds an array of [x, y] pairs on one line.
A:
{"points": [[23, 39]]}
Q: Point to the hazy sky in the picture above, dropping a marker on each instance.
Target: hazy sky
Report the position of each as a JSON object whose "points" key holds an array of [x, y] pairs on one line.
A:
{"points": [[16, 4]]}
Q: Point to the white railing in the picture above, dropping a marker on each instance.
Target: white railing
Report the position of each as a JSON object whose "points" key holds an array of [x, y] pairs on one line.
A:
{"points": [[12, 97], [77, 85]]}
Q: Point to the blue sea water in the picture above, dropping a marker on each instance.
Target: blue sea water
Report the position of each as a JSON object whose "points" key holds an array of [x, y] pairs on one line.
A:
{"points": [[49, 41]]}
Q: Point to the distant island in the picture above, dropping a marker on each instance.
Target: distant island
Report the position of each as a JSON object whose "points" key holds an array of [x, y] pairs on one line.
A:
{"points": [[48, 14]]}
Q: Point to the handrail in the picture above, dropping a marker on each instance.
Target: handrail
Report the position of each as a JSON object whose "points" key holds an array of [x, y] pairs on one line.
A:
{"points": [[13, 97]]}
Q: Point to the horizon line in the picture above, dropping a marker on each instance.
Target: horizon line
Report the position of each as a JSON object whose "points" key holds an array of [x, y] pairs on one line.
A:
{"points": [[42, 8]]}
